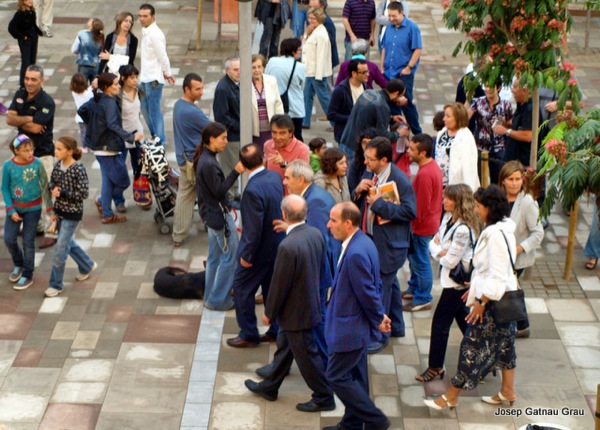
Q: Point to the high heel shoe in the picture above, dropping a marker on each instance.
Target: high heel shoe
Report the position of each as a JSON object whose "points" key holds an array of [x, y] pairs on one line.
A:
{"points": [[492, 401], [433, 405], [430, 374]]}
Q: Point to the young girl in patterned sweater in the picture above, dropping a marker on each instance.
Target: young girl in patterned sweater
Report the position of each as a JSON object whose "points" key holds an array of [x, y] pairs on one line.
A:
{"points": [[24, 185], [69, 185]]}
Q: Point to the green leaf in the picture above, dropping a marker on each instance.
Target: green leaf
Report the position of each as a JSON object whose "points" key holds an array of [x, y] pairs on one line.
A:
{"points": [[549, 82], [457, 49], [559, 86]]}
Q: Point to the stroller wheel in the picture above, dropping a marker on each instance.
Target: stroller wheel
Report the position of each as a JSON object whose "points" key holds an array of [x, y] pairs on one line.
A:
{"points": [[165, 229], [158, 218]]}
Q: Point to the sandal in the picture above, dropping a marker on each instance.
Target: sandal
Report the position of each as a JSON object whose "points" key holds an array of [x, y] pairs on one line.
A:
{"points": [[448, 405], [113, 219], [99, 207], [591, 263], [430, 374]]}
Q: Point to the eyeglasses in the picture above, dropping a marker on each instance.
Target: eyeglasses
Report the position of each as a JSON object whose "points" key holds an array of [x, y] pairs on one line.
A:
{"points": [[366, 72]]}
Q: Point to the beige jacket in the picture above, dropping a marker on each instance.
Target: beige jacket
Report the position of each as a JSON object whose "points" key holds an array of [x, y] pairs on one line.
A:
{"points": [[274, 104]]}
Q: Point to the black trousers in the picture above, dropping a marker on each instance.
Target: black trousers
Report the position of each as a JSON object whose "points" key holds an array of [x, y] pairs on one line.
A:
{"points": [[269, 42], [449, 308], [28, 50], [300, 345]]}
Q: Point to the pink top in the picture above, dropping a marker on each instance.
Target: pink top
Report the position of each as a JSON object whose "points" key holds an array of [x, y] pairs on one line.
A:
{"points": [[295, 150]]}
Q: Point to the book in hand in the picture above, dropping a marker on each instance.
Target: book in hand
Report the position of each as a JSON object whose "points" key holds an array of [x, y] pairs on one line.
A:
{"points": [[389, 193]]}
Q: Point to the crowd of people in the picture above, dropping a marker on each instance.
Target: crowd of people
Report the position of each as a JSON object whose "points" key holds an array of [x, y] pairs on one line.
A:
{"points": [[325, 229]]}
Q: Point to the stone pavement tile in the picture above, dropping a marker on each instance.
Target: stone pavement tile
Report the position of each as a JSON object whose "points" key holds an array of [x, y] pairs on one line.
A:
{"points": [[196, 415], [406, 375], [58, 349], [482, 426], [105, 290], [579, 334], [237, 415], [113, 331], [383, 385], [536, 305], [21, 408], [474, 410], [200, 392], [69, 416], [543, 363], [589, 283], [54, 305], [542, 327], [73, 312], [389, 405], [15, 326], [283, 412], [79, 392], [28, 357], [87, 370], [159, 375], [9, 303], [9, 350], [162, 329], [141, 398], [571, 310], [65, 330], [443, 423], [589, 380], [37, 338], [406, 354], [92, 321], [242, 359], [149, 420], [107, 349], [119, 313], [584, 357]]}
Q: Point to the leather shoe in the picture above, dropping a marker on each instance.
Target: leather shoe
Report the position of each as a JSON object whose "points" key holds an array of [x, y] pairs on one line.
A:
{"points": [[47, 242], [335, 427], [265, 371], [311, 406], [255, 387], [267, 338], [376, 347], [398, 334], [238, 342]]}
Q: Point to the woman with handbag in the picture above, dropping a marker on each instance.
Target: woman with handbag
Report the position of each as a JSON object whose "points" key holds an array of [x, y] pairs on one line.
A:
{"points": [[525, 213], [266, 101], [290, 75], [215, 211], [488, 343], [120, 46], [453, 247]]}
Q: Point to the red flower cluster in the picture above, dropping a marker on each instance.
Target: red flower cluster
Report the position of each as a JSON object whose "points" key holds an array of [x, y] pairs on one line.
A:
{"points": [[446, 4], [520, 64], [558, 149], [569, 117], [476, 34], [555, 24], [509, 49], [518, 23]]}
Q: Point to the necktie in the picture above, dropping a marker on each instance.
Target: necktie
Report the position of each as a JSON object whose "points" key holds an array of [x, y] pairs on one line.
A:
{"points": [[366, 211]]}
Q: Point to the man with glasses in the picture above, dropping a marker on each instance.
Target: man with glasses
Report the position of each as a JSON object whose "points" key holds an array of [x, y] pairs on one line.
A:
{"points": [[345, 95], [32, 112]]}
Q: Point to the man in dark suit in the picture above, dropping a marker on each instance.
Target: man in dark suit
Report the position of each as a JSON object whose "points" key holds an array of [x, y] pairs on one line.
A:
{"points": [[295, 304], [388, 224], [354, 316], [258, 245]]}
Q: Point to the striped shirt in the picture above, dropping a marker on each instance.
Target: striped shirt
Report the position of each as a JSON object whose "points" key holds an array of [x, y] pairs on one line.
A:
{"points": [[359, 13]]}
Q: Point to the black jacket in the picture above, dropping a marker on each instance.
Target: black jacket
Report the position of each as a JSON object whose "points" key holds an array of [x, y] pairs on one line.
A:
{"points": [[211, 189], [226, 107], [104, 124], [109, 44], [23, 24], [340, 107]]}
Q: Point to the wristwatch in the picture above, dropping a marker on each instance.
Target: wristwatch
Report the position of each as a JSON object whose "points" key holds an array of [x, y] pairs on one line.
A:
{"points": [[284, 165], [481, 302], [508, 132]]}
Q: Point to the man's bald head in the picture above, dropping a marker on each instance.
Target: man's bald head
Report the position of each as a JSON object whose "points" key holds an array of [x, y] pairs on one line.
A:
{"points": [[294, 209]]}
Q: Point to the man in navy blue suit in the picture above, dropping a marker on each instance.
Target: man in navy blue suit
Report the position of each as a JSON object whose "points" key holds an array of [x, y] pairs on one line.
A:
{"points": [[258, 245], [388, 224], [355, 316]]}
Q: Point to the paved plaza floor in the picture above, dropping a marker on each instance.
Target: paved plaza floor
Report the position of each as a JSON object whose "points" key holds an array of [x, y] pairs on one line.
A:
{"points": [[111, 354]]}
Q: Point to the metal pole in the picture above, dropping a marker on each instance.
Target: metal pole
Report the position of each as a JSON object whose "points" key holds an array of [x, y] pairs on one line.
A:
{"points": [[199, 26], [245, 47], [571, 241], [535, 125], [485, 169], [220, 18]]}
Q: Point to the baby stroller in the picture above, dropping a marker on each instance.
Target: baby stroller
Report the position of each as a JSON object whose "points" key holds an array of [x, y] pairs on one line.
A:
{"points": [[163, 181]]}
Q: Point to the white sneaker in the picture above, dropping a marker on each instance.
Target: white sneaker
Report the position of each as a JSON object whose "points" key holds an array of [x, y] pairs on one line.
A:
{"points": [[52, 292], [84, 276]]}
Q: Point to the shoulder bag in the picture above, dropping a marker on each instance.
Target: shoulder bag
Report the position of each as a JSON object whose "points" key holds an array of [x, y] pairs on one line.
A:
{"points": [[284, 97], [511, 307], [459, 273]]}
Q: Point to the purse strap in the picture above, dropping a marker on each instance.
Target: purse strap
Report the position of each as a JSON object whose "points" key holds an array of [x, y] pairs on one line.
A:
{"points": [[512, 263], [291, 76], [470, 238]]}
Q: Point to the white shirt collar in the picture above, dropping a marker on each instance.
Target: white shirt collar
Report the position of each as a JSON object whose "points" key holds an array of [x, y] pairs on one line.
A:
{"points": [[293, 226], [254, 172]]}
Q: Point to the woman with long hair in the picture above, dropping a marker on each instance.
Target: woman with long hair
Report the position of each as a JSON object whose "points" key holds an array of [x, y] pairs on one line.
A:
{"points": [[106, 137], [357, 167], [524, 211], [266, 101], [332, 176], [452, 245], [23, 27], [487, 343], [120, 42], [455, 150], [87, 46], [130, 109], [215, 211]]}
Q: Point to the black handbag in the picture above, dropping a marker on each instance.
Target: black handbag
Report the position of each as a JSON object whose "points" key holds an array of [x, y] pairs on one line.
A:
{"points": [[459, 273], [511, 307], [285, 99]]}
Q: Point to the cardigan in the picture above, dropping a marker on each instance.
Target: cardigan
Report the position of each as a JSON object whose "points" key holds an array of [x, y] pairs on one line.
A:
{"points": [[109, 44], [272, 98], [316, 54], [529, 231], [74, 189], [463, 159]]}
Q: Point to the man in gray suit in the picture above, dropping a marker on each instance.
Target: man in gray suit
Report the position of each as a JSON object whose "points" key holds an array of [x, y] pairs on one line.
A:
{"points": [[294, 302]]}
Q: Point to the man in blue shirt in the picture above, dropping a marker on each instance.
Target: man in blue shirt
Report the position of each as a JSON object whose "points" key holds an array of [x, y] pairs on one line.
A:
{"points": [[400, 54], [188, 122]]}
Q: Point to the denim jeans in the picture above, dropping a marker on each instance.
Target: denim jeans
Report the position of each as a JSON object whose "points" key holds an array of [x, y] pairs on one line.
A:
{"points": [[66, 246], [115, 180], [592, 246], [410, 110], [151, 110], [89, 72], [298, 20], [24, 258], [321, 88], [135, 154], [220, 266], [421, 278]]}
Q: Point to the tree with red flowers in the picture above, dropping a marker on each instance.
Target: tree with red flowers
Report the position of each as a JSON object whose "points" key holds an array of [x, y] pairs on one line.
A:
{"points": [[520, 38]]}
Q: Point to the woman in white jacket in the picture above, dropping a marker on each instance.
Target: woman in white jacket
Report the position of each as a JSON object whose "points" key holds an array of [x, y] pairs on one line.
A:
{"points": [[487, 344], [266, 101], [455, 149], [316, 56], [453, 243], [524, 211]]}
